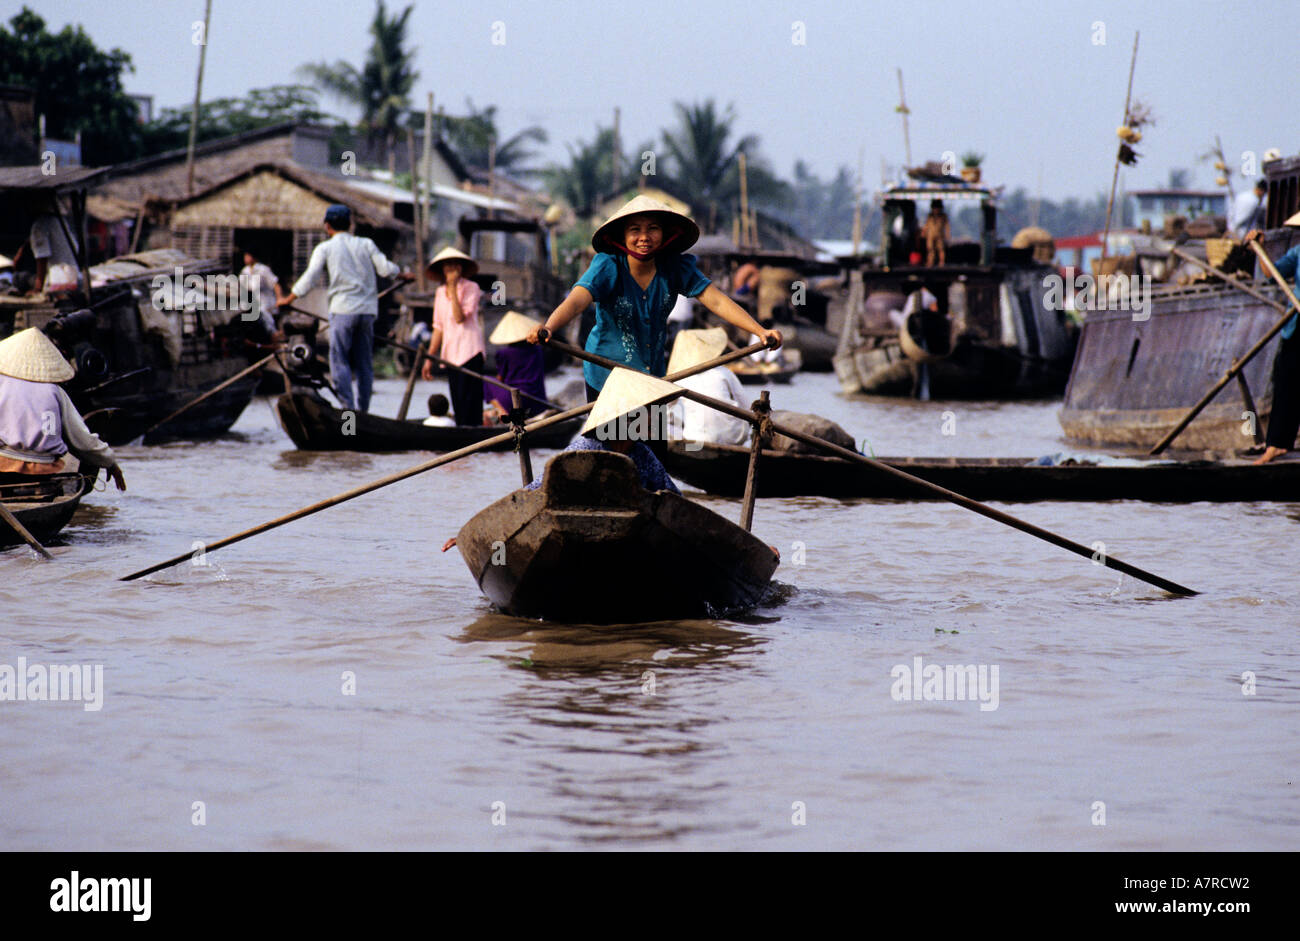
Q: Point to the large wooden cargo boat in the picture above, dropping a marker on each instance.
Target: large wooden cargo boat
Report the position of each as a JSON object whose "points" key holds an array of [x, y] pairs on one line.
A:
{"points": [[1134, 378], [994, 333], [147, 332]]}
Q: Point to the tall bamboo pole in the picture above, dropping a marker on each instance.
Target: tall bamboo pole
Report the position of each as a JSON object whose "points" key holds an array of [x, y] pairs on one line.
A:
{"points": [[903, 110], [198, 95], [1114, 180], [744, 203]]}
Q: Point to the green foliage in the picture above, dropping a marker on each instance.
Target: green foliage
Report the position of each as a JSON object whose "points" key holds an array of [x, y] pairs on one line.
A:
{"points": [[972, 158], [78, 87], [472, 136], [382, 87], [589, 177], [704, 164], [818, 209], [1016, 211], [223, 117]]}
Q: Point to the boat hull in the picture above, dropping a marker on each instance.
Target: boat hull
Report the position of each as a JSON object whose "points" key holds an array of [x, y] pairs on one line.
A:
{"points": [[591, 546], [721, 469], [43, 507], [314, 425], [1133, 380]]}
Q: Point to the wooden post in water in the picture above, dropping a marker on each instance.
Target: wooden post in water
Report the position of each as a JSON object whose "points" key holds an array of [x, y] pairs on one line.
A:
{"points": [[761, 409], [416, 365], [420, 225], [521, 443]]}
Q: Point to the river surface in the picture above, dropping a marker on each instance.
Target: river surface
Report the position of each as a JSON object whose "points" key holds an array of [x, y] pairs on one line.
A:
{"points": [[229, 719]]}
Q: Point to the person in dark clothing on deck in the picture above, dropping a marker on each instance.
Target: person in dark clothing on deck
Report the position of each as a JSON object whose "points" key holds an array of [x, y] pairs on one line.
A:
{"points": [[1284, 421]]}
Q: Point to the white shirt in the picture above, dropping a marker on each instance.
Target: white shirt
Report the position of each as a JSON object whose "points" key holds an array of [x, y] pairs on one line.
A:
{"points": [[347, 265], [695, 422], [1247, 212], [48, 241], [261, 280], [440, 421], [683, 311]]}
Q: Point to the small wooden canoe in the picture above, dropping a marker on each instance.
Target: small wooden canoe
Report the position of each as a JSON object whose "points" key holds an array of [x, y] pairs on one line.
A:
{"points": [[43, 506], [315, 425], [591, 546], [721, 469], [763, 373]]}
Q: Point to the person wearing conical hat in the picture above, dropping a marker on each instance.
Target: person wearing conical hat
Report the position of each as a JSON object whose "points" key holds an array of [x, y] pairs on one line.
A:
{"points": [[639, 270], [1284, 420], [38, 422], [346, 265], [692, 421], [628, 409], [519, 364], [458, 331]]}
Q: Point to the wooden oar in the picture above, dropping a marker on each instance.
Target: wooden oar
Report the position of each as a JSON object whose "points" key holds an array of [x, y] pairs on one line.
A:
{"points": [[949, 495], [427, 355], [211, 392], [1250, 354], [447, 458], [21, 530]]}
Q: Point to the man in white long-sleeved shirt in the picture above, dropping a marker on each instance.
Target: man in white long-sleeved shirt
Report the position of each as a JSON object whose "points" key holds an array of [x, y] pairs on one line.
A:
{"points": [[347, 265], [1248, 209]]}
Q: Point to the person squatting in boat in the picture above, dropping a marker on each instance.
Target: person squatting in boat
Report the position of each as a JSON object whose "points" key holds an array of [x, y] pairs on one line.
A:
{"points": [[38, 422]]}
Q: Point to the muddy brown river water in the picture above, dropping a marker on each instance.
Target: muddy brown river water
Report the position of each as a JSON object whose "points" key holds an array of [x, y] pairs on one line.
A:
{"points": [[339, 683]]}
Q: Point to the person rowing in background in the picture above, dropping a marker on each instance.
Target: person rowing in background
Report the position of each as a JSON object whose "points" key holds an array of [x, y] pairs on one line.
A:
{"points": [[634, 281], [38, 422], [1284, 420], [519, 364]]}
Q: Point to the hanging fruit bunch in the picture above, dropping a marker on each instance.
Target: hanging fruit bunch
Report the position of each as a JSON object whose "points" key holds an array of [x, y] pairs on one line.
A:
{"points": [[1130, 133]]}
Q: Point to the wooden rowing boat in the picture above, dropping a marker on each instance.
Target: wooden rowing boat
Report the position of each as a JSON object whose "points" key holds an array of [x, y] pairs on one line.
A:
{"points": [[721, 469], [315, 425], [590, 545], [43, 506]]}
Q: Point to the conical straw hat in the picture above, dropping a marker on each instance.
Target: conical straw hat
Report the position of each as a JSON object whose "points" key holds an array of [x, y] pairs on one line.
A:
{"points": [[468, 266], [693, 347], [6, 261], [1294, 220], [513, 327], [625, 391], [31, 355], [609, 237]]}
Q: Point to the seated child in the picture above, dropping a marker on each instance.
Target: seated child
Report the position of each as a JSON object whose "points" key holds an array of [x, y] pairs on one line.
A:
{"points": [[438, 407]]}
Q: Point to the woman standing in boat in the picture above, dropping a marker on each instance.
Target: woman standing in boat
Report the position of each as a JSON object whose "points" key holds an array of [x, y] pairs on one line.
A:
{"points": [[38, 422], [1284, 421], [458, 332], [634, 280]]}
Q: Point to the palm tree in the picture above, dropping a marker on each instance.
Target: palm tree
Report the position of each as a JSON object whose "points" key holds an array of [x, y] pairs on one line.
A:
{"points": [[382, 88], [705, 167], [588, 178], [472, 137]]}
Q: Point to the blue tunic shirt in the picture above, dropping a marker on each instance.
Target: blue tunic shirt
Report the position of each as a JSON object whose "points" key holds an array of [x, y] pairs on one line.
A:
{"points": [[649, 471], [632, 324], [1287, 266]]}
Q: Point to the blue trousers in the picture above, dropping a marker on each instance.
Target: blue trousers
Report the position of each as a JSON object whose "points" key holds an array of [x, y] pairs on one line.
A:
{"points": [[352, 345]]}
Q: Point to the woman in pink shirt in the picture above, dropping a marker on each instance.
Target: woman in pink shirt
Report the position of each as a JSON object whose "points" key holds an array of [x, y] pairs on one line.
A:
{"points": [[458, 332]]}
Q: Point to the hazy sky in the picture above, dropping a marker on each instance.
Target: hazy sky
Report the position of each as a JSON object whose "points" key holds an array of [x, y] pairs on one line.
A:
{"points": [[1024, 83]]}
